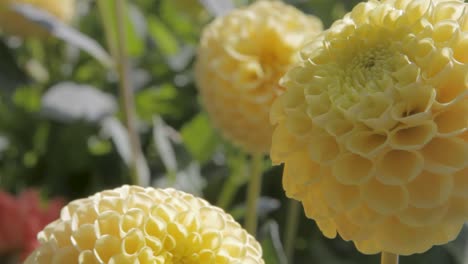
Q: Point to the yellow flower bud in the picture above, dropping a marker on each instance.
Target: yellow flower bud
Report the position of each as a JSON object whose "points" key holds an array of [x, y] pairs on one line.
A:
{"points": [[240, 59], [373, 126], [145, 225], [16, 24]]}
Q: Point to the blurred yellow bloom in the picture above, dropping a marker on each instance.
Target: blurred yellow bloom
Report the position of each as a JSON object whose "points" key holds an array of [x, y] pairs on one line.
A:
{"points": [[144, 225], [13, 23], [373, 126], [241, 58]]}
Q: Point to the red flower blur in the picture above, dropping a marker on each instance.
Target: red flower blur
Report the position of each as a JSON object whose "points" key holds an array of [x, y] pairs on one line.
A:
{"points": [[21, 218]]}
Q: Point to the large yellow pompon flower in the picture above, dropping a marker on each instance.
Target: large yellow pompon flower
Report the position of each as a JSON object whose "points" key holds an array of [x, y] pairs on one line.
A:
{"points": [[15, 24], [240, 60], [145, 225], [373, 126]]}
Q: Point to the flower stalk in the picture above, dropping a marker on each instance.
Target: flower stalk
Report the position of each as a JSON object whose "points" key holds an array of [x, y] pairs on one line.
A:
{"points": [[292, 224], [238, 177], [389, 258], [229, 190], [126, 93], [253, 193]]}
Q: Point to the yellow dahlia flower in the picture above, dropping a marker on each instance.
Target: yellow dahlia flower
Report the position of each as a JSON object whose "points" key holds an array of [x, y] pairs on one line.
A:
{"points": [[240, 59], [373, 126], [144, 225], [192, 9], [15, 24]]}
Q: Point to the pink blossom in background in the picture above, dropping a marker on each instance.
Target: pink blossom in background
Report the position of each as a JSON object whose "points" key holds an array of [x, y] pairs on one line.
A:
{"points": [[11, 237], [22, 217]]}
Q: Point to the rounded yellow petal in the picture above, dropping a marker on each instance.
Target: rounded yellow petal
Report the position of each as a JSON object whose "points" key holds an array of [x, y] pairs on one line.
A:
{"points": [[144, 225], [240, 60], [380, 103]]}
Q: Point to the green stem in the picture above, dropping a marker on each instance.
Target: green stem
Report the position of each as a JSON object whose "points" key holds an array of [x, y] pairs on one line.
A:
{"points": [[230, 188], [126, 93], [389, 258], [237, 177], [292, 223], [109, 30], [253, 193]]}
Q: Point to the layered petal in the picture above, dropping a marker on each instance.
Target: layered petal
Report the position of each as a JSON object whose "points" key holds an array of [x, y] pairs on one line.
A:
{"points": [[382, 98], [132, 224], [241, 57]]}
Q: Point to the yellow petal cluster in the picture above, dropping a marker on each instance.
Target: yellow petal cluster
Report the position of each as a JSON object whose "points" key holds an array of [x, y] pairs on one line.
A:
{"points": [[132, 224], [240, 60], [13, 23], [373, 126]]}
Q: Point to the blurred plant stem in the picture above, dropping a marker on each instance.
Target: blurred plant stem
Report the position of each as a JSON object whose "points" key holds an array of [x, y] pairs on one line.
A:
{"points": [[292, 224], [126, 93], [253, 193], [389, 258], [239, 170], [109, 29], [229, 190], [230, 187]]}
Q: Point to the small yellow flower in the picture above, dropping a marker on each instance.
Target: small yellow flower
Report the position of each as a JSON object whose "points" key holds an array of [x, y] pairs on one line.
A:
{"points": [[240, 60], [13, 23], [145, 225], [373, 126]]}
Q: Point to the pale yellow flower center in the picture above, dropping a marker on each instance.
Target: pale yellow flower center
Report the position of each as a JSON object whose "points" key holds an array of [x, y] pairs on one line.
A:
{"points": [[371, 64], [363, 75]]}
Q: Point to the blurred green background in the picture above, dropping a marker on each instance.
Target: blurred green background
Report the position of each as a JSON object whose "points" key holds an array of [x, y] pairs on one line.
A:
{"points": [[61, 128]]}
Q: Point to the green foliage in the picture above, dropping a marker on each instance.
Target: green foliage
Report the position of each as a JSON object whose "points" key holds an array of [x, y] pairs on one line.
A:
{"points": [[163, 100], [199, 138]]}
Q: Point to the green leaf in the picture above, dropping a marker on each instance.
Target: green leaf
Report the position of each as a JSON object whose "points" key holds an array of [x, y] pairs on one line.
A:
{"points": [[178, 24], [199, 138], [99, 146], [165, 40], [158, 101], [135, 28], [28, 98], [41, 136]]}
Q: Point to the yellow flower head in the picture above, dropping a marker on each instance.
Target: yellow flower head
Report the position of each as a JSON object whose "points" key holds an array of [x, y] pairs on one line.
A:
{"points": [[373, 126], [240, 61], [144, 225], [15, 24]]}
